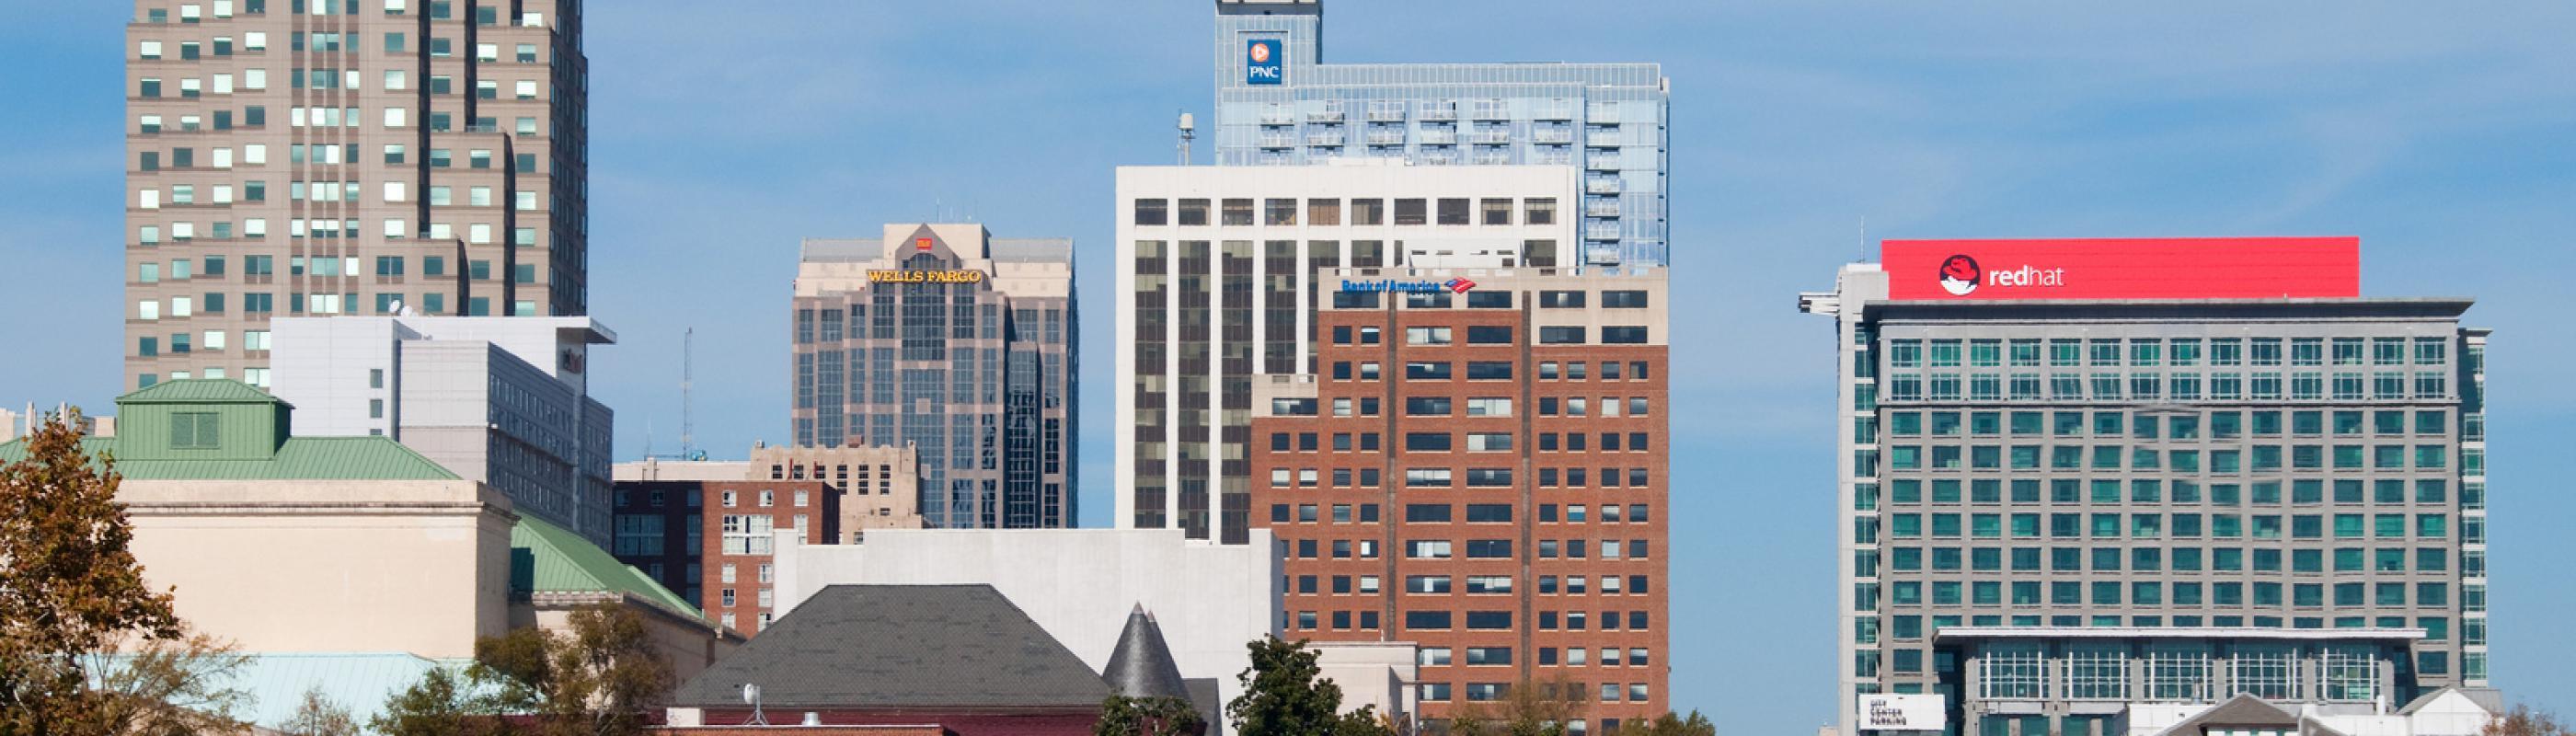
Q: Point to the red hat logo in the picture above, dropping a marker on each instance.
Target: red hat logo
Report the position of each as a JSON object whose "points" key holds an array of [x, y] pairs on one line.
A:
{"points": [[1960, 274]]}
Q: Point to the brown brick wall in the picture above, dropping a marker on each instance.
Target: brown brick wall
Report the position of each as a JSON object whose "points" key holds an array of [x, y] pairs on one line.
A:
{"points": [[1539, 510]]}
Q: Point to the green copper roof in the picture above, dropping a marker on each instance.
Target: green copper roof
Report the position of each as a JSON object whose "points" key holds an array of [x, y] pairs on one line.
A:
{"points": [[552, 559], [301, 458], [198, 390]]}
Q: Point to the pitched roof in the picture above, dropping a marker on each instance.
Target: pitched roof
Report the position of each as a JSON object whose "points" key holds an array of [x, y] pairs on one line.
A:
{"points": [[199, 391], [1141, 665], [301, 458], [902, 646], [545, 558], [2242, 710], [2485, 697]]}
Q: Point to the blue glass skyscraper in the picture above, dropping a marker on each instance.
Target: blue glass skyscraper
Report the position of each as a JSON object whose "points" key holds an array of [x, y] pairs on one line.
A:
{"points": [[1277, 103]]}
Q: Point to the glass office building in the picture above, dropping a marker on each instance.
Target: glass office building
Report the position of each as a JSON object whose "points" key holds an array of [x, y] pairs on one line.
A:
{"points": [[1277, 103], [2080, 478], [942, 338]]}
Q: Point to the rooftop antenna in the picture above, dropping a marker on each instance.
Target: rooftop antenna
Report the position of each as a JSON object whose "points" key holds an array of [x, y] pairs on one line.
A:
{"points": [[751, 696], [1864, 240], [688, 425], [1189, 130]]}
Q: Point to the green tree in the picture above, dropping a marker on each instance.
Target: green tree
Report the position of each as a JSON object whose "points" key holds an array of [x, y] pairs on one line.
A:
{"points": [[597, 678], [1527, 708], [1669, 724], [2523, 721], [1157, 716], [435, 706], [318, 715], [70, 589], [1282, 696]]}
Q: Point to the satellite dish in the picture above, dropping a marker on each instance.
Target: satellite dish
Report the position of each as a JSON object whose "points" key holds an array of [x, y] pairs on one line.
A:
{"points": [[750, 694]]}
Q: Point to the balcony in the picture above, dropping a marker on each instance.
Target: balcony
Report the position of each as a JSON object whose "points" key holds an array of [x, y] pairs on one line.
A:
{"points": [[1440, 158], [1602, 114], [1601, 231], [1278, 140], [1440, 111], [1601, 162], [1327, 137], [1331, 113], [1556, 109], [1278, 115], [1601, 185], [1601, 138], [1386, 112], [1552, 157], [1493, 110], [1490, 136], [1439, 137], [1601, 208], [1386, 137], [1493, 157], [1552, 134]]}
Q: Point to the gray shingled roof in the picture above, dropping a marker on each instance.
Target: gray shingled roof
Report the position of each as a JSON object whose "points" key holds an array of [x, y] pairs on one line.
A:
{"points": [[901, 646], [2485, 697], [2242, 710], [1141, 666]]}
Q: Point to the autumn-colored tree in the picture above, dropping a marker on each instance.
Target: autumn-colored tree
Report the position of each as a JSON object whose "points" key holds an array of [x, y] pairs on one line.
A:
{"points": [[70, 589], [1154, 716], [172, 686], [2523, 721], [596, 679], [318, 715], [1526, 708], [1282, 696], [1669, 724]]}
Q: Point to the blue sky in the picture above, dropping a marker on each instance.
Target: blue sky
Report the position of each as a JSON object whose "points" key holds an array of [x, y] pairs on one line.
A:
{"points": [[2443, 135]]}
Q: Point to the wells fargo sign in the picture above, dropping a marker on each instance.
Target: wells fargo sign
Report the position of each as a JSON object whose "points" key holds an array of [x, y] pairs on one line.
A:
{"points": [[925, 277]]}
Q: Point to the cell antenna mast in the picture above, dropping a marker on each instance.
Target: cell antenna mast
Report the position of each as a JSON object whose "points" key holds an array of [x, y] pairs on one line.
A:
{"points": [[688, 425], [1189, 130]]}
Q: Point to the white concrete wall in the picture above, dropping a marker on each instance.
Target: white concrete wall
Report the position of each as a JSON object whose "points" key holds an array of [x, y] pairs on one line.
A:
{"points": [[324, 366], [1378, 674], [1079, 584], [1473, 245], [329, 566]]}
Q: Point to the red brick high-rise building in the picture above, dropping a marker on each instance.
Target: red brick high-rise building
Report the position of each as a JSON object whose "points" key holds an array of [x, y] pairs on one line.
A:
{"points": [[1480, 468]]}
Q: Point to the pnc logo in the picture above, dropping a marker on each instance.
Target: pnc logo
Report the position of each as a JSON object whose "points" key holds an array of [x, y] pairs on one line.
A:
{"points": [[1458, 286], [1261, 62]]}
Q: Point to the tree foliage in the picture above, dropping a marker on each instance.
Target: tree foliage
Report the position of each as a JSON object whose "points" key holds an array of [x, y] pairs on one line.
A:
{"points": [[1527, 708], [1669, 724], [600, 677], [2523, 721], [318, 715], [70, 589], [1156, 716], [1282, 696], [172, 686]]}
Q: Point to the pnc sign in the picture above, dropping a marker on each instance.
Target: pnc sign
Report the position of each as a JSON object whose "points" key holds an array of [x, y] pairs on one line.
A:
{"points": [[1263, 63], [2123, 268], [925, 277], [1454, 286]]}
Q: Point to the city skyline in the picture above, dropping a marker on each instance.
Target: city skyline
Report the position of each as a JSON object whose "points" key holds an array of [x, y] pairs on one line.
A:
{"points": [[2436, 139]]}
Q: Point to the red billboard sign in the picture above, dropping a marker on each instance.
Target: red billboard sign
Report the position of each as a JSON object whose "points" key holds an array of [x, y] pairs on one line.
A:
{"points": [[2123, 268]]}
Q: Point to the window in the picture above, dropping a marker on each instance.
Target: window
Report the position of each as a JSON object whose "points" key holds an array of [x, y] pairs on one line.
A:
{"points": [[1452, 212], [195, 431]]}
